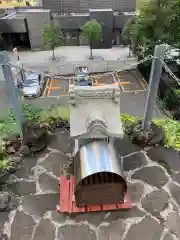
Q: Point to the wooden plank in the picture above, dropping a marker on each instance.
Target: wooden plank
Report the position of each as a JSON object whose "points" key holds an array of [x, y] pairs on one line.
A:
{"points": [[65, 197], [71, 193], [62, 182], [94, 208], [75, 208], [109, 207]]}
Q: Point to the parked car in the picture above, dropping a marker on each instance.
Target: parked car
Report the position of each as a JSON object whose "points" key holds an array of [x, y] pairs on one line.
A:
{"points": [[82, 77], [33, 85]]}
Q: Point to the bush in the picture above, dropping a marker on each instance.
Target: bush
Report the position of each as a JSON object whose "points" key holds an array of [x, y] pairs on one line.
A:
{"points": [[171, 129]]}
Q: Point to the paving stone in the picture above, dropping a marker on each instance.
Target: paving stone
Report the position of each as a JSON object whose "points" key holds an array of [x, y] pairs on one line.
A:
{"points": [[62, 142], [147, 229], [48, 183], [57, 217], [3, 219], [26, 171], [123, 214], [168, 237], [155, 202], [76, 232], [168, 157], [39, 204], [176, 177], [42, 154], [54, 163], [125, 146], [113, 231], [45, 230], [22, 188], [173, 223], [22, 227], [175, 192], [134, 161], [95, 218], [135, 191], [154, 176]]}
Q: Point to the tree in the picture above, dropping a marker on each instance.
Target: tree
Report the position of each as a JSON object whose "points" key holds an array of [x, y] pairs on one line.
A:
{"points": [[127, 33], [151, 26], [52, 37], [92, 31]]}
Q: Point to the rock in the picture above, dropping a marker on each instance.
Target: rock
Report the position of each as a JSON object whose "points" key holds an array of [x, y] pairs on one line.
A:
{"points": [[154, 176], [155, 202], [25, 150], [58, 218], [12, 143], [5, 198], [39, 204], [26, 169], [76, 232], [48, 183], [168, 157], [62, 142], [134, 161], [22, 226], [22, 188], [176, 177], [125, 146], [113, 231], [54, 163], [155, 135], [135, 191], [174, 190], [95, 218], [173, 223], [123, 214], [44, 230], [147, 229], [34, 136]]}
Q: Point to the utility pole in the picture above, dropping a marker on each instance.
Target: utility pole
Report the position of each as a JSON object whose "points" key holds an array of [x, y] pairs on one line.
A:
{"points": [[12, 91], [155, 75]]}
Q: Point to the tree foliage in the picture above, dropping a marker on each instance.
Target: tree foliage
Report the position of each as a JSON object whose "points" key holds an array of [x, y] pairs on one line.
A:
{"points": [[92, 32], [52, 36], [157, 21]]}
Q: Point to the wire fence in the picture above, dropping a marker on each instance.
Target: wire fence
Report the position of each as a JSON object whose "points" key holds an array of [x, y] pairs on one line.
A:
{"points": [[67, 68]]}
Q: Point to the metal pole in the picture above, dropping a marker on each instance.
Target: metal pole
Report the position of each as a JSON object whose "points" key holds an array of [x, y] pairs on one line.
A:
{"points": [[156, 69], [6, 69]]}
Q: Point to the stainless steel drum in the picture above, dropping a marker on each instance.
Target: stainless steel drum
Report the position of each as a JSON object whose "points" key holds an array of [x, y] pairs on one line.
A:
{"points": [[98, 175]]}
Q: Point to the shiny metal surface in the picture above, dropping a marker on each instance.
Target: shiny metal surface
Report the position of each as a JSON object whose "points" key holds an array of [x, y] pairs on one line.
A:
{"points": [[96, 157]]}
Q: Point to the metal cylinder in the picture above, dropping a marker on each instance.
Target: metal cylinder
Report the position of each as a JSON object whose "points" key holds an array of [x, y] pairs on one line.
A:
{"points": [[98, 175]]}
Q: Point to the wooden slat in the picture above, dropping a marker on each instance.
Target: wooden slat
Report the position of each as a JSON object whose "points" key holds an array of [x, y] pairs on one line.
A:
{"points": [[94, 208], [109, 207], [65, 204], [71, 193], [68, 204], [75, 208]]}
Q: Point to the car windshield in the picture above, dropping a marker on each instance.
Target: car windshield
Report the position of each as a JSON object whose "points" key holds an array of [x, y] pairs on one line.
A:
{"points": [[30, 83], [82, 78]]}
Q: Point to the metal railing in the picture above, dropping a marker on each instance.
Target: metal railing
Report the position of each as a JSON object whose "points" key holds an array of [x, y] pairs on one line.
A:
{"points": [[67, 68]]}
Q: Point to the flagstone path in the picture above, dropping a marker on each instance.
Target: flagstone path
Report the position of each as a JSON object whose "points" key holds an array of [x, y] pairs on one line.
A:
{"points": [[154, 186]]}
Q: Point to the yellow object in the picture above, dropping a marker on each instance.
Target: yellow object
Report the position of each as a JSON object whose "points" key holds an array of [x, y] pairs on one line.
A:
{"points": [[9, 4]]}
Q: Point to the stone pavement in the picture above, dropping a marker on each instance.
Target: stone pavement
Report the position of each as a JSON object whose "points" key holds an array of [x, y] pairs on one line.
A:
{"points": [[153, 178]]}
